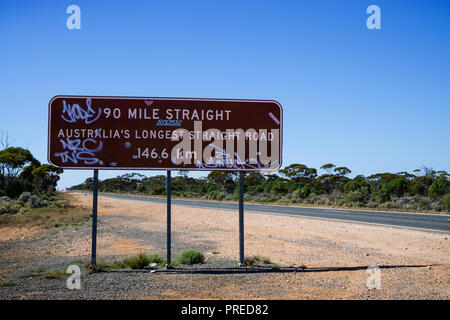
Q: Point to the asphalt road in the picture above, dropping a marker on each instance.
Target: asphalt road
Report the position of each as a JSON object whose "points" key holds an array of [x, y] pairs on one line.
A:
{"points": [[429, 222]]}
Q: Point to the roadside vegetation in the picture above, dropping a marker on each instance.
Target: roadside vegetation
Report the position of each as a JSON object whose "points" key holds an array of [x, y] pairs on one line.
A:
{"points": [[423, 190], [254, 261], [49, 211], [28, 194], [27, 186], [42, 273], [143, 260]]}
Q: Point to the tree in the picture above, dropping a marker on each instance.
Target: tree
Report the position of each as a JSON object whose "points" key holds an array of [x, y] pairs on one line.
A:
{"points": [[254, 179], [12, 161], [439, 188], [408, 176], [225, 180], [342, 171], [27, 176], [300, 173], [328, 167], [46, 177], [126, 182], [352, 185], [184, 179], [398, 186]]}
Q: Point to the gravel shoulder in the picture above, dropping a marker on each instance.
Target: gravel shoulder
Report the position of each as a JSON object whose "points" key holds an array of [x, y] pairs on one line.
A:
{"points": [[413, 264]]}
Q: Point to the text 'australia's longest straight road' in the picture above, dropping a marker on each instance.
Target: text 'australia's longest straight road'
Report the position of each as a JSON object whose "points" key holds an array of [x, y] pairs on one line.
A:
{"points": [[164, 133]]}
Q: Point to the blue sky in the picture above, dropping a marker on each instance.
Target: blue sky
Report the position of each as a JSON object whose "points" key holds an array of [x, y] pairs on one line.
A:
{"points": [[371, 100]]}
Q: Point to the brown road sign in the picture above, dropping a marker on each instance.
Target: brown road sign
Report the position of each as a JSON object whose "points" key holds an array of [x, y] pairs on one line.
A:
{"points": [[164, 133]]}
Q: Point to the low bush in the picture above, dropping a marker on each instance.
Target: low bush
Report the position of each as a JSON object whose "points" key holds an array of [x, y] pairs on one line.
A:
{"points": [[109, 266], [5, 199], [139, 261], [35, 201], [446, 202], [423, 203], [355, 196], [155, 258], [9, 207], [253, 261], [389, 205], [191, 257], [216, 195], [25, 197], [438, 188], [352, 186]]}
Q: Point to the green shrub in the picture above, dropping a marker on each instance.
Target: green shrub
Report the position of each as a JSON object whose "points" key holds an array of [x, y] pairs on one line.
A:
{"points": [[418, 188], [389, 205], [304, 192], [191, 257], [109, 266], [356, 204], [355, 196], [351, 186], [252, 261], [139, 261], [216, 195], [25, 197], [142, 188], [398, 186], [256, 189], [155, 258], [14, 188], [446, 202], [9, 207], [438, 188], [59, 204], [423, 203], [35, 201], [44, 203], [159, 191], [5, 199], [382, 195], [279, 187], [372, 204]]}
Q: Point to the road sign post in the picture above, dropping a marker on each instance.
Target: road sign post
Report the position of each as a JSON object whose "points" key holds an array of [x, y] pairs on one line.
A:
{"points": [[136, 133], [241, 219], [94, 221], [169, 218]]}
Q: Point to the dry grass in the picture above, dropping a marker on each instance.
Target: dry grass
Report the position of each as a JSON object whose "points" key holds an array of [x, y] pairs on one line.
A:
{"points": [[48, 217]]}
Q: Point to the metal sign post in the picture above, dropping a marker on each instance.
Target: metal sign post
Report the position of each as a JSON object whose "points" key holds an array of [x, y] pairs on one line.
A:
{"points": [[94, 222], [241, 219], [169, 229]]}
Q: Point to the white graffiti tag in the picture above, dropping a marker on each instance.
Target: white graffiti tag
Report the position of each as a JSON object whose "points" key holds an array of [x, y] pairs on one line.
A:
{"points": [[75, 112], [226, 161], [83, 151]]}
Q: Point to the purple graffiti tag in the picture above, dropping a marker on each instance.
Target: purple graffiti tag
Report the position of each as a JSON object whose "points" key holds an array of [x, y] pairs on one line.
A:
{"points": [[77, 150], [75, 112]]}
